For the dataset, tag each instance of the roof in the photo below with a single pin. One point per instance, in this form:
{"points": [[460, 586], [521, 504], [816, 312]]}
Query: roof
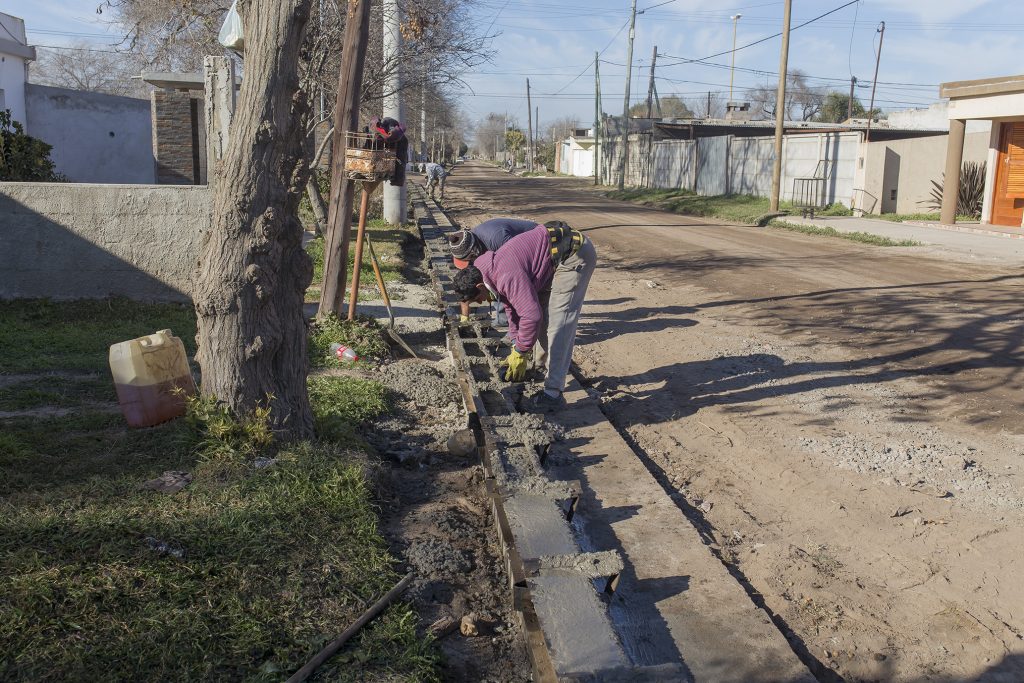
{"points": [[700, 128], [1001, 85]]}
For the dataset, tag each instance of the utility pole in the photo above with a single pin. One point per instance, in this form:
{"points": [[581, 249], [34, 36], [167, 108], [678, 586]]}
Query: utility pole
{"points": [[732, 69], [423, 115], [625, 98], [849, 105], [529, 128], [878, 60], [394, 197], [597, 119], [709, 105], [346, 118], [780, 108], [650, 84], [536, 130]]}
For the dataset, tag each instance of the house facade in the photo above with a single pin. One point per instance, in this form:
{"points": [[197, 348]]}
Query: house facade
{"points": [[1001, 102], [15, 55]]}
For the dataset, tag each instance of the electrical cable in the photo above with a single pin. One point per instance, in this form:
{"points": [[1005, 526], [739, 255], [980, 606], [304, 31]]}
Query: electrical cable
{"points": [[761, 40], [587, 68]]}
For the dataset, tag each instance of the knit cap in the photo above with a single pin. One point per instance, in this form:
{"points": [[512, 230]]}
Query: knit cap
{"points": [[464, 244]]}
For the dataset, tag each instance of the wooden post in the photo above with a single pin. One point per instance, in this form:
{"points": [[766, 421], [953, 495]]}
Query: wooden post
{"points": [[650, 83], [357, 264], [624, 162], [597, 121], [780, 110], [346, 118], [529, 129]]}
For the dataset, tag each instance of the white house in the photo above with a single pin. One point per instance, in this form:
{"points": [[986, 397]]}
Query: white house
{"points": [[576, 156], [15, 54]]}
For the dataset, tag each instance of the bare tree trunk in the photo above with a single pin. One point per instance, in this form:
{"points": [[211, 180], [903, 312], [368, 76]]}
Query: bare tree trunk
{"points": [[319, 206], [253, 270]]}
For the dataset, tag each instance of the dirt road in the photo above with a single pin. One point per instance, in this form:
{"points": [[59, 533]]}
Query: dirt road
{"points": [[842, 418]]}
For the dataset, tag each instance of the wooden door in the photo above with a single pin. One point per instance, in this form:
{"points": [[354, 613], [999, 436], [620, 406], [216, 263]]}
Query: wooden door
{"points": [[1008, 190]]}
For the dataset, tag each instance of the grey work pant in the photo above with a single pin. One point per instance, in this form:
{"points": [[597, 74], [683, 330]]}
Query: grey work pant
{"points": [[562, 306], [432, 185]]}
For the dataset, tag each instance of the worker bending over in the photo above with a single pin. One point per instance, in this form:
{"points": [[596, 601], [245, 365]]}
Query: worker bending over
{"points": [[467, 245], [435, 175], [541, 278]]}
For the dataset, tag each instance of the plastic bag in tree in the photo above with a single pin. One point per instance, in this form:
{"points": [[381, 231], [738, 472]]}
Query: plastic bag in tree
{"points": [[230, 35]]}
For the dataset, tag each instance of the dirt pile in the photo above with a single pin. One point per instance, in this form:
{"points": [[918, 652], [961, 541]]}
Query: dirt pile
{"points": [[422, 382]]}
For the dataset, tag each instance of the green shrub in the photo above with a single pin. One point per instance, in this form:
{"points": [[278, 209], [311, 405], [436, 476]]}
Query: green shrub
{"points": [[837, 209], [24, 158]]}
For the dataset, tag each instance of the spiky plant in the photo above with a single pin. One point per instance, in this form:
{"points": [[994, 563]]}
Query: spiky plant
{"points": [[970, 194]]}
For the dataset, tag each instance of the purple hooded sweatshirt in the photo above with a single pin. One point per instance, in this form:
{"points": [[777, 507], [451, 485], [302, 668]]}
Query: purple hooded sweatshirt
{"points": [[518, 272]]}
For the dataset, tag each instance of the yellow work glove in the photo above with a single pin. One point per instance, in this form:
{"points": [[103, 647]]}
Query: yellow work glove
{"points": [[517, 362], [463, 319]]}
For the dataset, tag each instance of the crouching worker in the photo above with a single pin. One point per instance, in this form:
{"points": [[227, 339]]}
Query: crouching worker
{"points": [[491, 235], [435, 176], [519, 275]]}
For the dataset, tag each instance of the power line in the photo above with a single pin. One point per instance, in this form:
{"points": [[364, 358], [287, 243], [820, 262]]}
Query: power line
{"points": [[587, 68], [760, 40], [79, 49]]}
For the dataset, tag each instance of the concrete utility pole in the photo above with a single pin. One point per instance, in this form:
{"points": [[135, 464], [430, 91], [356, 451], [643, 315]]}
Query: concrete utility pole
{"points": [[625, 98], [732, 69], [423, 117], [394, 197], [709, 106], [597, 120], [650, 83], [849, 104], [536, 130], [529, 128], [346, 118], [878, 60], [780, 107]]}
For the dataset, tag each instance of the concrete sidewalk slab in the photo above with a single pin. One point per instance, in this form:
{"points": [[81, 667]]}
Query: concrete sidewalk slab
{"points": [[675, 600], [949, 242]]}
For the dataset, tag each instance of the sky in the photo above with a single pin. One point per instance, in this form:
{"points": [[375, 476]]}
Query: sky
{"points": [[926, 42]]}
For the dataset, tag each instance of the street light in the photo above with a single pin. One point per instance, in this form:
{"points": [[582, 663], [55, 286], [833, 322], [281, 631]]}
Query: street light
{"points": [[735, 18]]}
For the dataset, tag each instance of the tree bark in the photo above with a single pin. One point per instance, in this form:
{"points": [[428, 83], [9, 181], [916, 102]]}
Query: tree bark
{"points": [[319, 207], [253, 271]]}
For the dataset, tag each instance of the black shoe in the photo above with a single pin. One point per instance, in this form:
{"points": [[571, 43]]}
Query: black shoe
{"points": [[541, 402]]}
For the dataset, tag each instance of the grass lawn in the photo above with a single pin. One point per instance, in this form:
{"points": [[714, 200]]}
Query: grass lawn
{"points": [[827, 231], [901, 217], [388, 241], [241, 576], [740, 208], [747, 209]]}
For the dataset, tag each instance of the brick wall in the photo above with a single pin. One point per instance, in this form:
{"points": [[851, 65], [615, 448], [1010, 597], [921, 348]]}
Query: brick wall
{"points": [[175, 138]]}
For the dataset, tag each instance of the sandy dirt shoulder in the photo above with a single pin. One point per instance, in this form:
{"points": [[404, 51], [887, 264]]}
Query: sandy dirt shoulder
{"points": [[842, 417]]}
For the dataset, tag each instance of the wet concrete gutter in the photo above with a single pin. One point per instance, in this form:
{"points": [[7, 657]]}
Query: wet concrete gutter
{"points": [[610, 580]]}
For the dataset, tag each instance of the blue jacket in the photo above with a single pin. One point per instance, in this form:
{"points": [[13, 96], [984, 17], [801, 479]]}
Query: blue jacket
{"points": [[495, 232]]}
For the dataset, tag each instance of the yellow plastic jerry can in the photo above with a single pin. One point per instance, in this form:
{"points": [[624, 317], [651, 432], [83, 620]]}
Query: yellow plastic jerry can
{"points": [[152, 378]]}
